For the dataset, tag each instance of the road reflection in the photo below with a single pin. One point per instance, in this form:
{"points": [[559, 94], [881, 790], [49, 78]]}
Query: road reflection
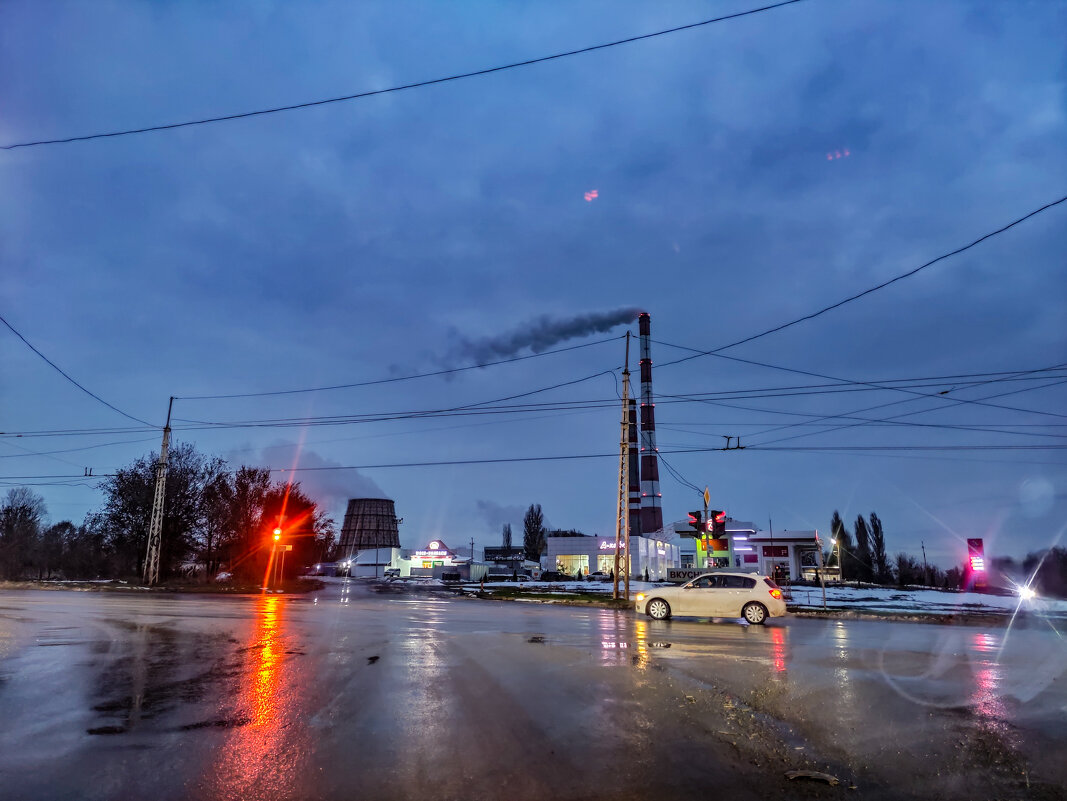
{"points": [[986, 698], [614, 632], [259, 759], [778, 651]]}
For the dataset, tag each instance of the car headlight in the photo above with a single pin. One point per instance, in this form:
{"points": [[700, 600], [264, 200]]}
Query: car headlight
{"points": [[640, 596]]}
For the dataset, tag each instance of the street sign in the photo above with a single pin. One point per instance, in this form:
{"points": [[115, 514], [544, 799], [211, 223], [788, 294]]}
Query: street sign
{"points": [[707, 496]]}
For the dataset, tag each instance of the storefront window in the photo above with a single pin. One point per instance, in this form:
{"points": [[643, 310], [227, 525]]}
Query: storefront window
{"points": [[571, 564], [606, 564]]}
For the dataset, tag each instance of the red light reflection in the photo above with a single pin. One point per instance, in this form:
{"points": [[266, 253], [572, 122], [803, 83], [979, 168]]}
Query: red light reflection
{"points": [[258, 760], [778, 644]]}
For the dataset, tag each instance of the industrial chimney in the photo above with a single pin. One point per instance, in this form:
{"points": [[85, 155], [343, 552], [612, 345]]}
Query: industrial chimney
{"points": [[635, 471], [651, 512]]}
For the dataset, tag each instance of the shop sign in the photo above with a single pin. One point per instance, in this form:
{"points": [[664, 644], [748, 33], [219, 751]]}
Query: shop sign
{"points": [[776, 551], [608, 545], [680, 574], [714, 545], [431, 554]]}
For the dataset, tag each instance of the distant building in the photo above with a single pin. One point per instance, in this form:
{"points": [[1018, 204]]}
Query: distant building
{"points": [[571, 555], [787, 555]]}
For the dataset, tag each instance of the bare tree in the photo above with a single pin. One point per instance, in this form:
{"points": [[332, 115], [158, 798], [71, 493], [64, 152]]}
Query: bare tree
{"points": [[21, 517], [533, 531], [882, 572], [864, 572], [507, 535]]}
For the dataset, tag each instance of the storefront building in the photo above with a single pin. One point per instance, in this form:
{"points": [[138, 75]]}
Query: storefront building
{"points": [[435, 555], [787, 556], [585, 555]]}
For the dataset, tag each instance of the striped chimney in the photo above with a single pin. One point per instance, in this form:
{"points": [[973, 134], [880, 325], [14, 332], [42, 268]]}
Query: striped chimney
{"points": [[651, 512], [635, 472]]}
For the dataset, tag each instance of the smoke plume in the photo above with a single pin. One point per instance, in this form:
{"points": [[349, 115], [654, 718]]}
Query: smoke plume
{"points": [[542, 333]]}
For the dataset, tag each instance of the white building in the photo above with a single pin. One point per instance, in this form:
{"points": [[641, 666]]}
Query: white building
{"points": [[597, 554]]}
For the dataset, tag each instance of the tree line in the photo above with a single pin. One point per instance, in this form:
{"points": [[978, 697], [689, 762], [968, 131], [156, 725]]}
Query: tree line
{"points": [[862, 556], [214, 519]]}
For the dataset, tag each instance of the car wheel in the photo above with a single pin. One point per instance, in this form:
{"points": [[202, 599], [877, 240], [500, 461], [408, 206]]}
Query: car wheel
{"points": [[754, 613], [658, 609]]}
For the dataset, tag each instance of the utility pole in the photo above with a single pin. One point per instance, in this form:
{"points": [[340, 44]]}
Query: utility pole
{"points": [[926, 574], [155, 524], [622, 516], [818, 556]]}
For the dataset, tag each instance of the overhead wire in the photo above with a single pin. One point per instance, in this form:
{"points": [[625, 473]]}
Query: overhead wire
{"points": [[63, 373], [917, 411], [396, 379], [868, 291], [403, 87]]}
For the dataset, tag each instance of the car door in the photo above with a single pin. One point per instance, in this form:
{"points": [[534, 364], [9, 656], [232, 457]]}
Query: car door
{"points": [[703, 597], [687, 600], [736, 593]]}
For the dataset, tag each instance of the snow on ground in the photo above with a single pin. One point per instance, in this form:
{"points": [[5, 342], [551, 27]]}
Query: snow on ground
{"points": [[872, 599], [921, 601]]}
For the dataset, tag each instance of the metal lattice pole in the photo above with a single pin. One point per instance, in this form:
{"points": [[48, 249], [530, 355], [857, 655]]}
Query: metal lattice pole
{"points": [[155, 525]]}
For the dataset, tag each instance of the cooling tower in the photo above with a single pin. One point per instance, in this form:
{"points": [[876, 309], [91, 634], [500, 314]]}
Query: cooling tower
{"points": [[651, 512], [369, 523]]}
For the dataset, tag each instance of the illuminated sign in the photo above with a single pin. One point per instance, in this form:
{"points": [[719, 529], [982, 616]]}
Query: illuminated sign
{"points": [[438, 554], [435, 546], [610, 546]]}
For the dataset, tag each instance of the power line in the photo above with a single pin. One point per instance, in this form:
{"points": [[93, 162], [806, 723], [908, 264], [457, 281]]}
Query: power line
{"points": [[858, 295], [29, 453], [882, 384], [449, 371], [59, 370], [416, 85], [573, 457], [917, 411]]}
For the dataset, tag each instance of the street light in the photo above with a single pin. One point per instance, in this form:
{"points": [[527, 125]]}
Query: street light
{"points": [[274, 551]]}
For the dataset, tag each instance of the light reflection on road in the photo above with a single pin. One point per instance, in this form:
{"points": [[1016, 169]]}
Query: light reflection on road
{"points": [[255, 762], [778, 650], [986, 699]]}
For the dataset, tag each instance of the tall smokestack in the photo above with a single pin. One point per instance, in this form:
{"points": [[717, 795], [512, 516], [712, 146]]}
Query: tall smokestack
{"points": [[651, 512], [635, 472]]}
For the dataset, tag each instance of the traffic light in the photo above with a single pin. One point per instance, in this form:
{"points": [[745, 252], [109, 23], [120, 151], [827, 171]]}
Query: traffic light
{"points": [[695, 520], [718, 523]]}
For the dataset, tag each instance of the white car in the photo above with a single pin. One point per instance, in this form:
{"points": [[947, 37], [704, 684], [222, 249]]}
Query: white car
{"points": [[746, 595]]}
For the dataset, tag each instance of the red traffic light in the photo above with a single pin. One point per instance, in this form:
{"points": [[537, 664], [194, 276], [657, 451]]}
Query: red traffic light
{"points": [[717, 522], [695, 519]]}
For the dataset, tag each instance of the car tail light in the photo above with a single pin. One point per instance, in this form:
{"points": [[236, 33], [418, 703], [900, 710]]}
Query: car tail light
{"points": [[776, 594]]}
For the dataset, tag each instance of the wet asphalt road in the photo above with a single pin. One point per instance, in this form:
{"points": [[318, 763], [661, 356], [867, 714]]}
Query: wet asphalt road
{"points": [[352, 693]]}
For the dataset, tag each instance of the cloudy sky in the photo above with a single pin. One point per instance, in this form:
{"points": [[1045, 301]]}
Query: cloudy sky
{"points": [[746, 174]]}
